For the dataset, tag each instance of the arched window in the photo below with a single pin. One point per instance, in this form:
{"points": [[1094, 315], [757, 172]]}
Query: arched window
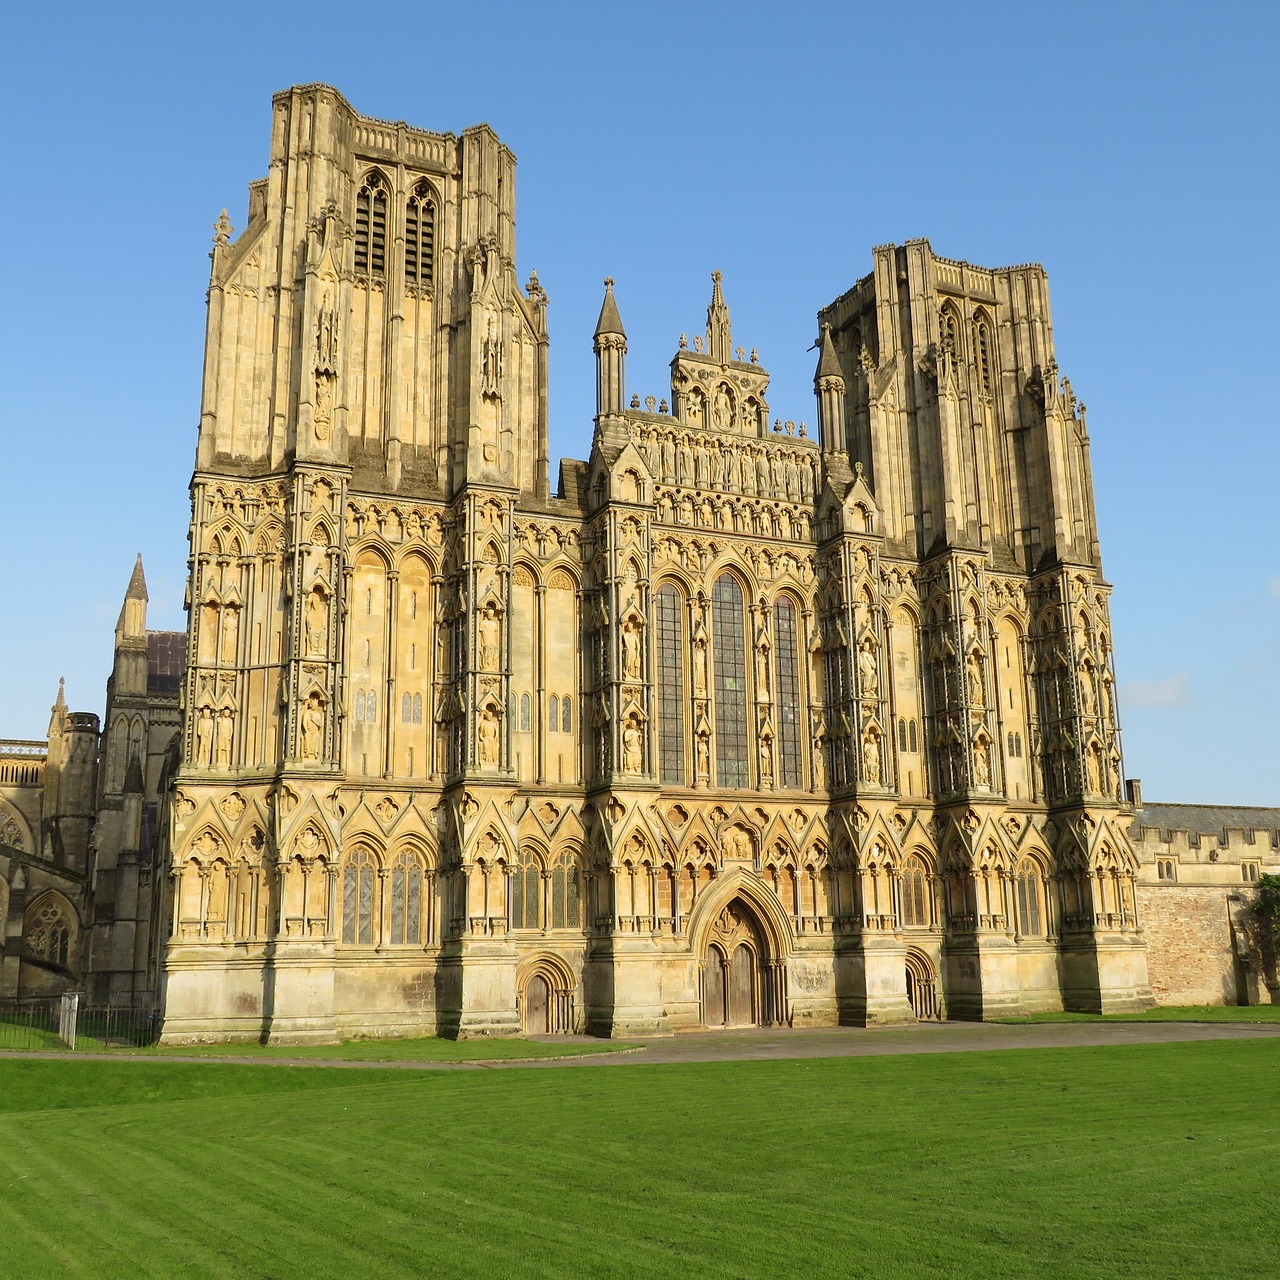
{"points": [[566, 893], [525, 712], [419, 236], [526, 893], [948, 330], [787, 678], [729, 641], [406, 899], [360, 706], [670, 643], [915, 894], [417, 708], [406, 709], [566, 714], [912, 740], [982, 352], [371, 226], [553, 714], [46, 931], [1028, 891], [359, 875], [902, 735], [372, 710]]}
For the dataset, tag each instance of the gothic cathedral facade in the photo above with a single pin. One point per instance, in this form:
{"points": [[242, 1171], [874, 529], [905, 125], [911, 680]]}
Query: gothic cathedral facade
{"points": [[740, 723]]}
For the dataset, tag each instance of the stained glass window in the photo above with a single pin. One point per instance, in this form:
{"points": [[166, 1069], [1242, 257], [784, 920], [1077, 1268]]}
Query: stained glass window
{"points": [[729, 638], [671, 751], [786, 662]]}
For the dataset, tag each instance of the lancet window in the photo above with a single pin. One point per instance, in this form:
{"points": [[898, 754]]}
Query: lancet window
{"points": [[787, 688], [915, 894], [526, 892], [566, 893], [371, 226], [982, 352], [728, 634], [419, 236], [670, 642], [406, 900], [359, 878], [1027, 884]]}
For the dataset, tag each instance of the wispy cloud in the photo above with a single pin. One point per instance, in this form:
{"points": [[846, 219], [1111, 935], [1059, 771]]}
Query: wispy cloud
{"points": [[1170, 694]]}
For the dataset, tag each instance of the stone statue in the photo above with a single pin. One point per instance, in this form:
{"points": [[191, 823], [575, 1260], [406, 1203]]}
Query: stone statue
{"points": [[311, 723], [487, 746], [871, 760], [490, 639], [766, 761], [981, 765], [868, 669], [819, 763], [632, 747], [975, 681], [631, 649], [703, 752], [222, 739], [1088, 695], [317, 622], [762, 473], [721, 410], [204, 737], [230, 635]]}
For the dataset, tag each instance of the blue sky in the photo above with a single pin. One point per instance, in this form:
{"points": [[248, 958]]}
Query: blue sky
{"points": [[1131, 148]]}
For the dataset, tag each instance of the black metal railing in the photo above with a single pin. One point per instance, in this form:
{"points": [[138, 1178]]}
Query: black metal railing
{"points": [[66, 1022]]}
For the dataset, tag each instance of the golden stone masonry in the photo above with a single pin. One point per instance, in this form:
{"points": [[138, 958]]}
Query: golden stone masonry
{"points": [[739, 722]]}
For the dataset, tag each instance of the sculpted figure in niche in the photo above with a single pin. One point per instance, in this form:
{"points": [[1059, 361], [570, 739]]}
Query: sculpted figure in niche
{"points": [[975, 680], [871, 759], [981, 765], [1088, 694], [868, 669], [669, 459], [762, 473], [311, 724], [703, 753], [820, 763], [317, 622], [686, 463], [748, 468], [721, 410], [791, 478], [490, 639], [222, 739], [632, 747], [487, 744], [230, 634], [700, 473], [631, 649], [204, 737], [766, 762]]}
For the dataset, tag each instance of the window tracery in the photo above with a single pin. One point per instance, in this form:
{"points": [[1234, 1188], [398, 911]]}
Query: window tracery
{"points": [[371, 226], [419, 236], [359, 874], [670, 692], [787, 691], [728, 633]]}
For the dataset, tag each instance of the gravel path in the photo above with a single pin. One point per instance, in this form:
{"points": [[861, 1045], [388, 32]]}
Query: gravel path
{"points": [[757, 1044]]}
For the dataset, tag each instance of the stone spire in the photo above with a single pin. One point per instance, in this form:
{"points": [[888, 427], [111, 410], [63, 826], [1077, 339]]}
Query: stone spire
{"points": [[828, 386], [719, 332], [132, 623], [610, 322], [611, 348]]}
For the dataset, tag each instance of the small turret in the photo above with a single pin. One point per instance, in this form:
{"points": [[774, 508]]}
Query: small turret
{"points": [[828, 386], [132, 623], [611, 349]]}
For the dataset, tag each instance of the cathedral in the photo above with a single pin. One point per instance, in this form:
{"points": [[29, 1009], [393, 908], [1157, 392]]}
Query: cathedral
{"points": [[738, 722]]}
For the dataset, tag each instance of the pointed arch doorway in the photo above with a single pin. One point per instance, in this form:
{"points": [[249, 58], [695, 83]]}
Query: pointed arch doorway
{"points": [[736, 971]]}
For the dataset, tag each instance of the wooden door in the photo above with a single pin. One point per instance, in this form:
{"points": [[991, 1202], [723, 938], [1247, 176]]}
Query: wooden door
{"points": [[537, 999], [742, 986], [714, 989]]}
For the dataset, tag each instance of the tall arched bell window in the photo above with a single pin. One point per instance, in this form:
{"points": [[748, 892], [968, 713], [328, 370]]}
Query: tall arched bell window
{"points": [[419, 236], [371, 226]]}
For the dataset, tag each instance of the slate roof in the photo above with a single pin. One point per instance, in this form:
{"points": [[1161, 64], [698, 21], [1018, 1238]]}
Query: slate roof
{"points": [[166, 660], [1210, 819]]}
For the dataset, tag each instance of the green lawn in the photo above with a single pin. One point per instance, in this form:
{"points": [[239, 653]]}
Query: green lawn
{"points": [[421, 1049], [1141, 1161], [1170, 1013]]}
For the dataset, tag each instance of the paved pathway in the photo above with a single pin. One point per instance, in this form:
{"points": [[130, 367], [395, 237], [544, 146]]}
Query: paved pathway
{"points": [[756, 1044]]}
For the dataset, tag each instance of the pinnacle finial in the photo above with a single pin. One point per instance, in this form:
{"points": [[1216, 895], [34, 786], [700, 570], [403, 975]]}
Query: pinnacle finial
{"points": [[610, 322]]}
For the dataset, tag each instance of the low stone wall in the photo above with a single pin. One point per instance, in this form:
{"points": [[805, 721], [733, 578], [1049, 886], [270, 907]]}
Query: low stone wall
{"points": [[1190, 948]]}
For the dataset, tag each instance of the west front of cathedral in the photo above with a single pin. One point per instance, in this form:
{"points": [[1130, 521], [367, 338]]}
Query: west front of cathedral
{"points": [[739, 722]]}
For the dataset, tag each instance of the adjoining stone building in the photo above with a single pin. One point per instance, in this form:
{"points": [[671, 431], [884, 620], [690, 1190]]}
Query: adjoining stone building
{"points": [[741, 723]]}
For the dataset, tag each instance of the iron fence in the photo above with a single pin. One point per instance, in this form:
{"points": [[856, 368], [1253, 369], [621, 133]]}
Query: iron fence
{"points": [[65, 1022]]}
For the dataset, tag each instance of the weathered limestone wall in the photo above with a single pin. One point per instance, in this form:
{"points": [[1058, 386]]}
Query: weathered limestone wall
{"points": [[1190, 953]]}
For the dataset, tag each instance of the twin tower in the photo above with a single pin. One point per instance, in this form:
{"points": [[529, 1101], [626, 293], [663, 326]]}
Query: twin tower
{"points": [[741, 724]]}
